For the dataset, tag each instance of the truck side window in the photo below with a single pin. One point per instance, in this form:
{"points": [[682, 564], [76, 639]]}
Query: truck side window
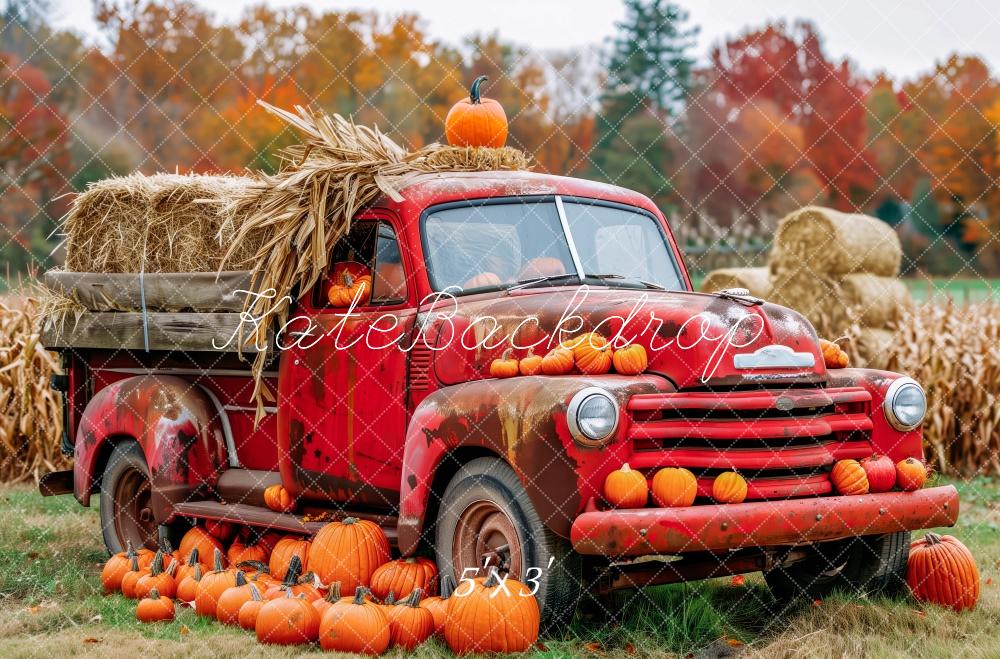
{"points": [[370, 249]]}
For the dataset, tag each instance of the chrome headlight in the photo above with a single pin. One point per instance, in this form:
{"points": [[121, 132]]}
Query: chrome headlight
{"points": [[592, 416], [905, 404]]}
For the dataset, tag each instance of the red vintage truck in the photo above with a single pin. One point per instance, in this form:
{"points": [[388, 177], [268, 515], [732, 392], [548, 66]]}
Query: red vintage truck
{"points": [[387, 410]]}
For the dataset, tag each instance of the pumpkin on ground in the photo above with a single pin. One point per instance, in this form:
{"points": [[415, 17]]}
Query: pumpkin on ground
{"points": [[729, 487], [438, 606], [220, 529], [592, 353], [132, 576], [243, 553], [247, 617], [881, 473], [409, 623], [626, 488], [277, 498], [558, 361], [115, 568], [674, 487], [530, 364], [630, 360], [348, 551], [288, 620], [227, 609], [187, 568], [403, 576], [354, 625], [911, 474], [212, 585], [155, 608], [942, 570], [159, 578], [187, 588], [849, 477], [333, 595], [200, 539], [476, 121], [281, 556], [295, 583], [489, 621], [833, 355]]}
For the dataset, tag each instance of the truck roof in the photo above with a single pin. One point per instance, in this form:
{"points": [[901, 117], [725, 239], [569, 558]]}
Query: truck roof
{"points": [[427, 189]]}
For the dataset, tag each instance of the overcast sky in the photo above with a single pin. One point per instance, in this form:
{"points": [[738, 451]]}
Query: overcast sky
{"points": [[903, 37]]}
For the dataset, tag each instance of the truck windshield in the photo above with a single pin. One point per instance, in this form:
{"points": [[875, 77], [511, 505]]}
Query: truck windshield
{"points": [[498, 245]]}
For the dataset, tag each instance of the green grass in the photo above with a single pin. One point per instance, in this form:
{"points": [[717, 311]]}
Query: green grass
{"points": [[960, 289], [51, 554]]}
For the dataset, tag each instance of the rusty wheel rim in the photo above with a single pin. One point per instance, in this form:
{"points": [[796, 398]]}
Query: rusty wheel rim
{"points": [[486, 536], [133, 510]]}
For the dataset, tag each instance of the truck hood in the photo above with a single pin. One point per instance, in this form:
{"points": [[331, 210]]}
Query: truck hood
{"points": [[693, 339]]}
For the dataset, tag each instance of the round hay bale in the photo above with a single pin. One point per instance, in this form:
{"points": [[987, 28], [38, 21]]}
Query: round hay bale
{"points": [[756, 280], [871, 347], [873, 301], [815, 296], [835, 243]]}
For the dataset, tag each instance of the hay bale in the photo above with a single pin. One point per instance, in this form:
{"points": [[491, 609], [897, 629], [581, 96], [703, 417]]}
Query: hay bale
{"points": [[835, 243], [872, 301], [159, 223], [871, 347], [815, 296], [756, 280]]}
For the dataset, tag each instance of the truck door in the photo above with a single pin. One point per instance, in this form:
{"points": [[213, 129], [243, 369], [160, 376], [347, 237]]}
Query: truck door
{"points": [[342, 389]]}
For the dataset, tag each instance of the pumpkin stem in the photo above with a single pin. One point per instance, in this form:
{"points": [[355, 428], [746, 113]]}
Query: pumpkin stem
{"points": [[414, 598], [218, 561], [241, 579], [154, 594], [129, 549], [172, 569], [359, 595], [157, 567], [625, 467], [167, 548], [350, 520], [390, 599], [334, 593], [447, 586], [294, 571], [475, 94], [193, 557], [254, 593], [257, 566], [491, 581], [134, 565], [932, 538], [197, 572]]}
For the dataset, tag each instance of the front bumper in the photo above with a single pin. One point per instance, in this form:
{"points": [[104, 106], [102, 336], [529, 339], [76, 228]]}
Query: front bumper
{"points": [[761, 523]]}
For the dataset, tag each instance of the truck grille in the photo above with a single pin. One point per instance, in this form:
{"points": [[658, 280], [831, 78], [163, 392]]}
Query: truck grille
{"points": [[783, 441]]}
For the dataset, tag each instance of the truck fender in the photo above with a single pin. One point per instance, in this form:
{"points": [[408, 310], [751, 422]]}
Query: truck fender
{"points": [[523, 421], [180, 431]]}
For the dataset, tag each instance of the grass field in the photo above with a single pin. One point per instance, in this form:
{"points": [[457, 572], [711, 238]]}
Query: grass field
{"points": [[51, 553]]}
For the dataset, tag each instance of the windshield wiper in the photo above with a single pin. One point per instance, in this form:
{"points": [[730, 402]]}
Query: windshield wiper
{"points": [[528, 283], [647, 284]]}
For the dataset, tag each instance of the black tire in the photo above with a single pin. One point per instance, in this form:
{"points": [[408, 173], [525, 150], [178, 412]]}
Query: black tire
{"points": [[123, 516], [492, 480], [870, 565]]}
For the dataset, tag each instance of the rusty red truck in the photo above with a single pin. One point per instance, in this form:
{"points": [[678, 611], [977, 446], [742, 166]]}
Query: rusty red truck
{"points": [[387, 410]]}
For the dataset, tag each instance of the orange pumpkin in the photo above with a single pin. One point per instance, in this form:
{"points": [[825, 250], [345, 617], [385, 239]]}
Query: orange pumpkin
{"points": [[187, 588], [155, 608], [729, 487], [348, 287], [592, 354], [349, 552], [559, 361], [504, 366], [409, 623], [630, 360], [674, 487], [332, 597], [911, 474], [289, 620], [200, 539], [438, 606], [404, 576], [942, 570], [240, 553], [849, 477], [542, 266], [187, 568], [283, 552], [131, 578], [833, 355], [482, 280], [476, 121], [115, 568], [212, 585], [626, 488], [247, 617], [355, 625], [227, 609], [277, 498], [159, 578], [530, 364], [295, 583], [491, 621]]}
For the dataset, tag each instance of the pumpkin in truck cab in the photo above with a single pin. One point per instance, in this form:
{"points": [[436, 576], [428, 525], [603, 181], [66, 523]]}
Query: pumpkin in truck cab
{"points": [[349, 281], [476, 121]]}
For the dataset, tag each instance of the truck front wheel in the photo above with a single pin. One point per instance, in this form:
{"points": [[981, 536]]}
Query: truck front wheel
{"points": [[486, 518], [126, 512], [874, 564]]}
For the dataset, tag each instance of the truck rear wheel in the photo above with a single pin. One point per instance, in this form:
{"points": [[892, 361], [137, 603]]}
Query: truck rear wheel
{"points": [[874, 564], [126, 490], [486, 517]]}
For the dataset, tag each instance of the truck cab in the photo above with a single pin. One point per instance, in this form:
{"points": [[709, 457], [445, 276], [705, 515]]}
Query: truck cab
{"points": [[384, 408]]}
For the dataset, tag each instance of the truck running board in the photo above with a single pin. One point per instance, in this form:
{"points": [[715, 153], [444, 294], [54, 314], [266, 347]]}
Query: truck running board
{"points": [[259, 516]]}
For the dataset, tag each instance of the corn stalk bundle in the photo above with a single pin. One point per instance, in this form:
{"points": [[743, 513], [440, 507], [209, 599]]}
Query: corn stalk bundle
{"points": [[30, 411], [307, 206], [954, 352]]}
